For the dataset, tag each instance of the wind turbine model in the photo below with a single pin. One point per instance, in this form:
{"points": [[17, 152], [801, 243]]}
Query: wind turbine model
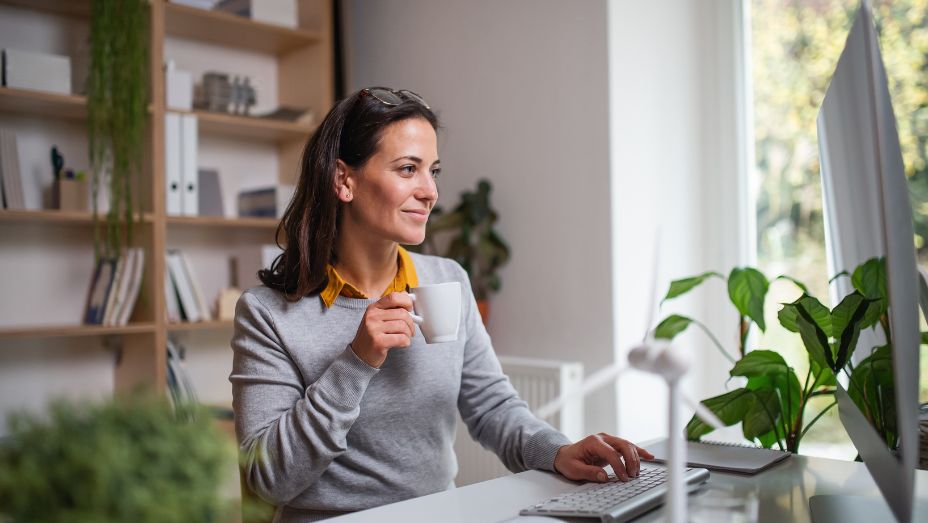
{"points": [[654, 356]]}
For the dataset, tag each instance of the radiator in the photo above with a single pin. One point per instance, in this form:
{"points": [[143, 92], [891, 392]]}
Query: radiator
{"points": [[537, 381]]}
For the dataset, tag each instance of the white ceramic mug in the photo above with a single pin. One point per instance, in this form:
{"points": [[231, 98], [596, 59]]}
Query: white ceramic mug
{"points": [[438, 311]]}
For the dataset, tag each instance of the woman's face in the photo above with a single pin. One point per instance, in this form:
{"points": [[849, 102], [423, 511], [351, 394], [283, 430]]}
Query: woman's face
{"points": [[392, 194]]}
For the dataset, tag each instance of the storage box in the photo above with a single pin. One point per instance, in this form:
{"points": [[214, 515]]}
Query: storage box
{"points": [[178, 88], [72, 195], [36, 71], [269, 202]]}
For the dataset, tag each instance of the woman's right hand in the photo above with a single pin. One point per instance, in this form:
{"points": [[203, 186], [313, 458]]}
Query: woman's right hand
{"points": [[386, 324]]}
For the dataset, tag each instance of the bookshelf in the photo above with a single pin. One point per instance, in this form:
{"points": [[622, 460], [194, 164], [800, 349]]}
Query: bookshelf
{"points": [[301, 75]]}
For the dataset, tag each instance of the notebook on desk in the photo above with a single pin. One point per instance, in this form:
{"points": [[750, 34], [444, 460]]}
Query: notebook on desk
{"points": [[723, 457]]}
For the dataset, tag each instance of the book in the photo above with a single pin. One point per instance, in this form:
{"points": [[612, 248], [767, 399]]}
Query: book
{"points": [[198, 295], [119, 285], [189, 182], [12, 177], [100, 287], [172, 164], [135, 284], [188, 304], [210, 193], [722, 457], [171, 300]]}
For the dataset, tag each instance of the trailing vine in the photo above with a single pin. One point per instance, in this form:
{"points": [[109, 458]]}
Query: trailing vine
{"points": [[117, 110]]}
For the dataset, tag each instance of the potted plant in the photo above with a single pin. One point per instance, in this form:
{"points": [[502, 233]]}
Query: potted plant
{"points": [[474, 242], [117, 113], [771, 404], [132, 459]]}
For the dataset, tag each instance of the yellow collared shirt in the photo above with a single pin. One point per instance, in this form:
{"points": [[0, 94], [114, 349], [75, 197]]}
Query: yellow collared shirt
{"points": [[405, 279]]}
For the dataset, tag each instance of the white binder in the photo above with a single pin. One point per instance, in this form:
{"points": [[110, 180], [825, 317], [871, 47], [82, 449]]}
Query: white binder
{"points": [[189, 177], [172, 164]]}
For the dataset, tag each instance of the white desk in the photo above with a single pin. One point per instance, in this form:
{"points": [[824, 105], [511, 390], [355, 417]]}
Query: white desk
{"points": [[784, 492]]}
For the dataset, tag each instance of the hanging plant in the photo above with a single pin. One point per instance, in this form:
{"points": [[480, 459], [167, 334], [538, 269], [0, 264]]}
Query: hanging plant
{"points": [[117, 110]]}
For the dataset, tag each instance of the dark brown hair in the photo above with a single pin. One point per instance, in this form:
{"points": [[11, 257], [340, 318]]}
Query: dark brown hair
{"points": [[351, 132]]}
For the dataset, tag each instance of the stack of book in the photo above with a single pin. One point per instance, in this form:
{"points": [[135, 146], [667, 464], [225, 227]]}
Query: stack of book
{"points": [[184, 297], [114, 288], [11, 182], [180, 386]]}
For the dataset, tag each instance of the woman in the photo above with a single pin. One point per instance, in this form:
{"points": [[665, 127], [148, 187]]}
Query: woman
{"points": [[339, 403]]}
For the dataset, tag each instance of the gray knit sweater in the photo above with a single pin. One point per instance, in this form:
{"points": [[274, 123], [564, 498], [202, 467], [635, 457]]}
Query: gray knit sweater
{"points": [[324, 433]]}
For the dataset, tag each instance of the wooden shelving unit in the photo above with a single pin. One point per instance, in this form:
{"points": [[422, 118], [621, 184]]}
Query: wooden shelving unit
{"points": [[199, 326], [55, 216], [59, 331], [223, 223], [38, 103], [305, 71], [229, 30]]}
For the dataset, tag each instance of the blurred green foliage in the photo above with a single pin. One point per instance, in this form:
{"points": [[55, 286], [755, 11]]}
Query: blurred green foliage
{"points": [[132, 459]]}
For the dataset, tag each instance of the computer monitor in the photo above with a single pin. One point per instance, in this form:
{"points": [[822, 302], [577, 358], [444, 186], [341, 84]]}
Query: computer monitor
{"points": [[868, 214]]}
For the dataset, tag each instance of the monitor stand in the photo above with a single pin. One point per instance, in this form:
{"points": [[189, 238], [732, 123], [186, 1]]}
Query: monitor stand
{"points": [[849, 509]]}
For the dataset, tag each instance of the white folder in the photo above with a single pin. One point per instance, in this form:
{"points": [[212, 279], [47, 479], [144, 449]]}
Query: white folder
{"points": [[189, 176], [172, 164]]}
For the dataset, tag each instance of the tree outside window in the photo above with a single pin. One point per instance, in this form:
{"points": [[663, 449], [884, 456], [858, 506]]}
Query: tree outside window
{"points": [[795, 45]]}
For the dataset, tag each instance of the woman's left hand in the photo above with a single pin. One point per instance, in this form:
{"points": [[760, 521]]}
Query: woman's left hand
{"points": [[585, 459]]}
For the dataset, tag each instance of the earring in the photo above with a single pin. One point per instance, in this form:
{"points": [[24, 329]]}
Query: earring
{"points": [[348, 196]]}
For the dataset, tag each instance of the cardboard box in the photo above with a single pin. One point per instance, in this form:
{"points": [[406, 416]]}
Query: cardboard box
{"points": [[36, 71], [72, 195]]}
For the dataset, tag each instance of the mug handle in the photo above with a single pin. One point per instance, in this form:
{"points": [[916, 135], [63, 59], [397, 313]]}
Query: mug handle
{"points": [[415, 318]]}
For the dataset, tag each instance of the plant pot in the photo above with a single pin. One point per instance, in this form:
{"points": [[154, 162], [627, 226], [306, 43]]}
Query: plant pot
{"points": [[483, 306]]}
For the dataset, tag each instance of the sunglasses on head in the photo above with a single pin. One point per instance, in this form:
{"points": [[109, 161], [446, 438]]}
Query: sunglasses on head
{"points": [[393, 97]]}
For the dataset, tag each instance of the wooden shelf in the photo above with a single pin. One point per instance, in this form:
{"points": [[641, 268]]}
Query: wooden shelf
{"points": [[53, 216], [76, 8], [249, 127], [217, 27], [217, 221], [200, 325], [57, 331], [39, 103]]}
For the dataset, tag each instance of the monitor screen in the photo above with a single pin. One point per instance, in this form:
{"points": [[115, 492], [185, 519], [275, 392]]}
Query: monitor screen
{"points": [[868, 216]]}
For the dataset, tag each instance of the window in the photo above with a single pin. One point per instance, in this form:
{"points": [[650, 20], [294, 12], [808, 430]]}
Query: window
{"points": [[795, 45]]}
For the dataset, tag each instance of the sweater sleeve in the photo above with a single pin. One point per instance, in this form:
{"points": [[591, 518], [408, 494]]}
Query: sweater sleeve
{"points": [[494, 414], [288, 432]]}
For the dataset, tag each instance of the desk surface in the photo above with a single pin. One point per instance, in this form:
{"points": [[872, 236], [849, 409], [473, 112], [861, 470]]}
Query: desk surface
{"points": [[784, 492]]}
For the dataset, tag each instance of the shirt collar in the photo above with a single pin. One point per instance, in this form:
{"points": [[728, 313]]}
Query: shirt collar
{"points": [[404, 280]]}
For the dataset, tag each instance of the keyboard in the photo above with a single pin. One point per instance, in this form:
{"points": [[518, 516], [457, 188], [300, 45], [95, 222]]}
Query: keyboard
{"points": [[615, 500]]}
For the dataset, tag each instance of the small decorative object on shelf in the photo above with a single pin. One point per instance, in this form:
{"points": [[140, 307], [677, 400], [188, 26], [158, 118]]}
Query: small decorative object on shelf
{"points": [[70, 189], [218, 94]]}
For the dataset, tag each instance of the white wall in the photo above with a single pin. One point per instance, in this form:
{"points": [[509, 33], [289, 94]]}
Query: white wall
{"points": [[676, 116], [521, 88]]}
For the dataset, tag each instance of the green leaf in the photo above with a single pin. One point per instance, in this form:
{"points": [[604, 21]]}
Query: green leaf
{"points": [[802, 286], [747, 289], [762, 413], [870, 278], [836, 276], [729, 407], [871, 388], [848, 318], [819, 313], [925, 338], [767, 370], [671, 326], [821, 376], [768, 440], [680, 287], [814, 338], [759, 363]]}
